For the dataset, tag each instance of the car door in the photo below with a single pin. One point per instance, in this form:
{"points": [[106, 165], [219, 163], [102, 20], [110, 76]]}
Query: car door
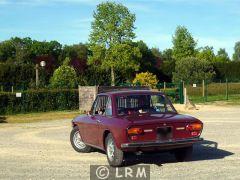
{"points": [[91, 125], [104, 120], [91, 131]]}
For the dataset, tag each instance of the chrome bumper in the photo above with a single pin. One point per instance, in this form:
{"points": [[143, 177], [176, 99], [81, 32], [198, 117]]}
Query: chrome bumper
{"points": [[161, 143]]}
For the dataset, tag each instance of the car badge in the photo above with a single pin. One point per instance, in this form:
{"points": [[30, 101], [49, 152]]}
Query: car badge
{"points": [[164, 124]]}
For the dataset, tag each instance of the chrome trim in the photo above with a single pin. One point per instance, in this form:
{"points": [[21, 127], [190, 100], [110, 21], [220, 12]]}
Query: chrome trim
{"points": [[161, 143]]}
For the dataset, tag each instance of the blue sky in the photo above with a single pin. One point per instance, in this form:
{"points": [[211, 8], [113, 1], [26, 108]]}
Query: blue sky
{"points": [[212, 22]]}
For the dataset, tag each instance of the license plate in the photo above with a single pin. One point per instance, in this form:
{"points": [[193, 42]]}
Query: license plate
{"points": [[164, 133]]}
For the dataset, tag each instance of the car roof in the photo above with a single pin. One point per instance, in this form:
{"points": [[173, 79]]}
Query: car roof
{"points": [[127, 92]]}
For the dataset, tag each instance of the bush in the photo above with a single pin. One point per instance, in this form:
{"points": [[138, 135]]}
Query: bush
{"points": [[38, 101], [64, 77], [146, 79], [16, 75], [193, 70]]}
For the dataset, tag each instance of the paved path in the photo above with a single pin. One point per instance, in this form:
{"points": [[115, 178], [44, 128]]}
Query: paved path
{"points": [[43, 151]]}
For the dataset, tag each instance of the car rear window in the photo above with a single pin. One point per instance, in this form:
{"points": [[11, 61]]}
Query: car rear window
{"points": [[153, 104]]}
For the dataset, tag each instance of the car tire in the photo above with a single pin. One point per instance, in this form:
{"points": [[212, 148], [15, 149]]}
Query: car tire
{"points": [[77, 143], [184, 154], [114, 155]]}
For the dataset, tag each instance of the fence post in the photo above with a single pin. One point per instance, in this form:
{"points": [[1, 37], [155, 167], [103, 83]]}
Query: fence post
{"points": [[226, 88], [206, 91], [203, 88], [164, 85], [181, 96]]}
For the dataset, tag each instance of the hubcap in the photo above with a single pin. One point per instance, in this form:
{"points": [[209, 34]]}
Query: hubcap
{"points": [[110, 150], [77, 140]]}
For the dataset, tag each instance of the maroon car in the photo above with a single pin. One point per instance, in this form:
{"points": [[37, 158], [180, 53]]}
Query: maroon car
{"points": [[135, 121]]}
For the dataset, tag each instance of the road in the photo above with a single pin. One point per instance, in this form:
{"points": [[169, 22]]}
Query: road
{"points": [[43, 151]]}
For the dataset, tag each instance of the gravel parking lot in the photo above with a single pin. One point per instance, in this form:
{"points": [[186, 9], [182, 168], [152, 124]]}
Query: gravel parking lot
{"points": [[43, 151]]}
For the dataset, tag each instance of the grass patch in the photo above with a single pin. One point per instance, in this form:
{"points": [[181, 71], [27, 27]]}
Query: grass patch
{"points": [[40, 116], [232, 99]]}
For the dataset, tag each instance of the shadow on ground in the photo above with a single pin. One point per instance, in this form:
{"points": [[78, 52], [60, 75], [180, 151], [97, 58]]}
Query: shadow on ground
{"points": [[205, 150], [3, 119]]}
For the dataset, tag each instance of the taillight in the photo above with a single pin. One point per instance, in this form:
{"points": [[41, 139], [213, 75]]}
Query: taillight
{"points": [[194, 127], [135, 131]]}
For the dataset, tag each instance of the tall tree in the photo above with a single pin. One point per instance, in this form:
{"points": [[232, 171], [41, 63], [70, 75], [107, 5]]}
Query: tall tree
{"points": [[206, 53], [112, 27], [222, 55], [236, 55], [183, 43]]}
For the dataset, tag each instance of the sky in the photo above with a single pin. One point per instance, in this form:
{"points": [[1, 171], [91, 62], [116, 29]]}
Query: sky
{"points": [[211, 22]]}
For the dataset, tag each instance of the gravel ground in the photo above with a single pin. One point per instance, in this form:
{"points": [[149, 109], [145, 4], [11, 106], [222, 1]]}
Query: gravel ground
{"points": [[43, 151]]}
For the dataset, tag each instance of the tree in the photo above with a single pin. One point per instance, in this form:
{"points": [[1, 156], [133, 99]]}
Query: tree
{"points": [[222, 56], [206, 53], [183, 44], [64, 77], [236, 54], [167, 55], [112, 29], [193, 70], [122, 57], [148, 61], [78, 54], [146, 79]]}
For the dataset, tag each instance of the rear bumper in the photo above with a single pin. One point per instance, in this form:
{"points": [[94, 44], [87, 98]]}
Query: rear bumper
{"points": [[164, 144]]}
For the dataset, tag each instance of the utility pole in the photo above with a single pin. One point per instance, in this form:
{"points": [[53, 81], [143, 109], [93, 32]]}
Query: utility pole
{"points": [[37, 75]]}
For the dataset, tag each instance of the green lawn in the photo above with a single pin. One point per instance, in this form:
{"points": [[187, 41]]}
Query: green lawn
{"points": [[36, 117], [232, 99]]}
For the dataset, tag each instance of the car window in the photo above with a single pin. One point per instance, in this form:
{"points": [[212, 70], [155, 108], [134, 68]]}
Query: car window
{"points": [[108, 111], [100, 105], [153, 104]]}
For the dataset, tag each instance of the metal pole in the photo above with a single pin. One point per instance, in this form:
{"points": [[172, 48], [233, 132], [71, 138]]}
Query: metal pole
{"points": [[226, 88], [206, 93], [203, 88], [37, 75]]}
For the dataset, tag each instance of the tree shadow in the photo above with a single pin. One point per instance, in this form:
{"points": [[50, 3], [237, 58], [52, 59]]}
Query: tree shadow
{"points": [[3, 119], [205, 150]]}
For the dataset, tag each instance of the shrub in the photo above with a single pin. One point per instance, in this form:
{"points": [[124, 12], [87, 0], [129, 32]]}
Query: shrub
{"points": [[146, 79], [64, 77], [38, 101]]}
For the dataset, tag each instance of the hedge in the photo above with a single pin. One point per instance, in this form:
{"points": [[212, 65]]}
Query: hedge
{"points": [[38, 101]]}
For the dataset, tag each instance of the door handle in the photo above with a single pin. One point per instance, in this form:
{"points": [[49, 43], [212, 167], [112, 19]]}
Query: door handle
{"points": [[98, 121]]}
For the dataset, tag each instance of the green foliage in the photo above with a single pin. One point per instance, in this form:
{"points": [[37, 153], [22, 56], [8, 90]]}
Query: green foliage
{"points": [[183, 44], [38, 101], [167, 55], [113, 23], [236, 55], [112, 30], [222, 56], [206, 53], [227, 70], [64, 77], [146, 79], [148, 60], [119, 57], [193, 70], [17, 75]]}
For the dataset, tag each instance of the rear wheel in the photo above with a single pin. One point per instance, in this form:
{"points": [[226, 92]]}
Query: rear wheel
{"points": [[114, 155], [77, 143], [184, 154]]}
